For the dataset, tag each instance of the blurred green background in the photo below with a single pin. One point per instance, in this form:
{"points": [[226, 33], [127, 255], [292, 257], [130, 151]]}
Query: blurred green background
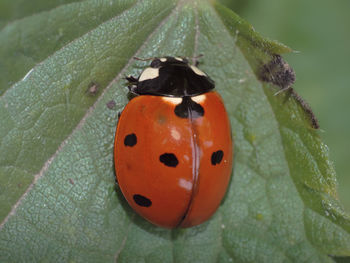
{"points": [[320, 31]]}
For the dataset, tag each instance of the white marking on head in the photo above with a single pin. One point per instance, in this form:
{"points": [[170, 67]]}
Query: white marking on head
{"points": [[185, 184], [199, 98], [172, 100], [163, 59], [149, 73], [179, 59], [197, 71], [175, 134]]}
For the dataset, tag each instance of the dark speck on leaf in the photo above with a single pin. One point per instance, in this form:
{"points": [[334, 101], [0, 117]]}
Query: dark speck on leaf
{"points": [[111, 104], [93, 89]]}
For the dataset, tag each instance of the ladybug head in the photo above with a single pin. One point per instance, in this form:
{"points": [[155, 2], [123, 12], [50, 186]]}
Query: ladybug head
{"points": [[171, 77], [161, 62]]}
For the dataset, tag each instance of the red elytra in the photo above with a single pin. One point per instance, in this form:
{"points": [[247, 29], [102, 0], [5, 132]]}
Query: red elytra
{"points": [[173, 147]]}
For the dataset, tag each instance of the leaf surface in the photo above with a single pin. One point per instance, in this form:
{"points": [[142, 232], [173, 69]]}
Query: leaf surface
{"points": [[57, 190]]}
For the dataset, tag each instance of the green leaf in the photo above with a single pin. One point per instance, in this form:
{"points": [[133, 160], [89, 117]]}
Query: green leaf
{"points": [[57, 190], [11, 10], [27, 42]]}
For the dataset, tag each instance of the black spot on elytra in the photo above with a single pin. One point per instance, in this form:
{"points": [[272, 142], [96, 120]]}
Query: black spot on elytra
{"points": [[189, 108], [169, 159], [142, 201], [130, 140], [216, 157]]}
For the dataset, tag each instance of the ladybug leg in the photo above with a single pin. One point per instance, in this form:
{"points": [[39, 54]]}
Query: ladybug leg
{"points": [[195, 59], [119, 114], [132, 84], [143, 59], [116, 184], [131, 79], [132, 93], [132, 90]]}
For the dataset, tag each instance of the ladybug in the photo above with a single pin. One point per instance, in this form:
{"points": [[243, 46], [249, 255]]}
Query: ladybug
{"points": [[173, 148]]}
